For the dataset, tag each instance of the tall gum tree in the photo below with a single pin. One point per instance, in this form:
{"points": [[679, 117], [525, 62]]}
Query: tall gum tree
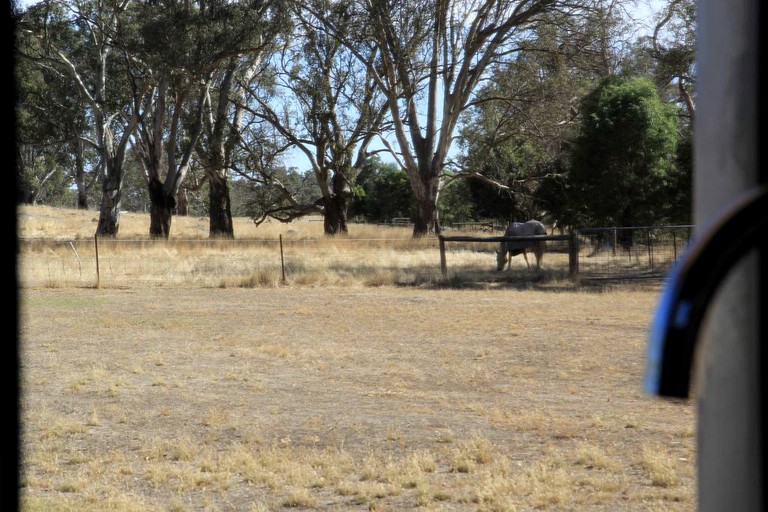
{"points": [[672, 46], [161, 116], [246, 34], [214, 149], [169, 94], [518, 133], [192, 54], [92, 67], [52, 124], [344, 111], [164, 53], [324, 103], [433, 54]]}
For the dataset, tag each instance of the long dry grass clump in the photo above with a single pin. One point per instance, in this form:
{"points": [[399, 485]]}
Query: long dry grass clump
{"points": [[343, 398], [58, 249]]}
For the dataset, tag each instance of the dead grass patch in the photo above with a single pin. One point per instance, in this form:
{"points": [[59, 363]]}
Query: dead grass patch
{"points": [[340, 391], [302, 398]]}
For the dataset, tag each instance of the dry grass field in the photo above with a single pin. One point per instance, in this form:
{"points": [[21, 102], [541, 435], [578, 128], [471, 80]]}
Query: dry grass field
{"points": [[335, 395]]}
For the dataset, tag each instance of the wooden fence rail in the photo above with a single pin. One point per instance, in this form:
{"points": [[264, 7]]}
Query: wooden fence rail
{"points": [[572, 239]]}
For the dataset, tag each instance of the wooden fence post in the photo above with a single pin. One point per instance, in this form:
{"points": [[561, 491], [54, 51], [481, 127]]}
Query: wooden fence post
{"points": [[282, 258], [443, 264], [674, 245], [98, 274], [573, 256], [650, 247]]}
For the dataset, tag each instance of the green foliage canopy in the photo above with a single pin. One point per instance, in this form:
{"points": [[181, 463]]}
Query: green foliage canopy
{"points": [[384, 192], [623, 155]]}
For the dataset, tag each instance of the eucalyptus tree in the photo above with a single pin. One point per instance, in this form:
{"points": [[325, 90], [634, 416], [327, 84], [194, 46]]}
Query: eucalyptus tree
{"points": [[241, 37], [166, 85], [189, 56], [520, 122], [51, 155], [95, 70], [672, 46], [518, 133], [324, 103], [432, 56]]}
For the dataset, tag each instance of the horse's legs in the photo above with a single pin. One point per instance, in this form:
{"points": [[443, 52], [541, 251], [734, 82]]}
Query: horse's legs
{"points": [[525, 255]]}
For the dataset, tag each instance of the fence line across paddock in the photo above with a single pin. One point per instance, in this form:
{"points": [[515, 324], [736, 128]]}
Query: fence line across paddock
{"points": [[638, 251], [218, 262], [572, 239], [588, 254], [600, 253]]}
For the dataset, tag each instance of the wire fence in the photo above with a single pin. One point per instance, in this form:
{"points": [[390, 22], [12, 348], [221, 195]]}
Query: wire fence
{"points": [[617, 253], [631, 252], [129, 263]]}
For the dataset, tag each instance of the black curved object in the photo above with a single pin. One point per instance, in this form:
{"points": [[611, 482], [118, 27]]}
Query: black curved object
{"points": [[691, 284]]}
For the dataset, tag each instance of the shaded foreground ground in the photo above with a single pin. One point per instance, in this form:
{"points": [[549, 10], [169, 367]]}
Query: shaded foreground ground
{"points": [[346, 399]]}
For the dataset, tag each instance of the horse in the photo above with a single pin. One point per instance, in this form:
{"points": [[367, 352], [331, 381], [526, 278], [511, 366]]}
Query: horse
{"points": [[508, 249]]}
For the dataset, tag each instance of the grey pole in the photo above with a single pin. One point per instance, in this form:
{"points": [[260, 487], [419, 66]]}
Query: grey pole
{"points": [[726, 148]]}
